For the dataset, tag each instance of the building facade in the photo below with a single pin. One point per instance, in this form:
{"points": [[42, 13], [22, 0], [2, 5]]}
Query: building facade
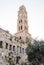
{"points": [[15, 44]]}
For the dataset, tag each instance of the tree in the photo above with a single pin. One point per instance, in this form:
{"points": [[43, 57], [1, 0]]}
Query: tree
{"points": [[35, 52]]}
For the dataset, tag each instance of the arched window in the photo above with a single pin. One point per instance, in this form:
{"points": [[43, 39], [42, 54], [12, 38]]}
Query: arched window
{"points": [[21, 27], [1, 46], [20, 49], [21, 21], [20, 37]]}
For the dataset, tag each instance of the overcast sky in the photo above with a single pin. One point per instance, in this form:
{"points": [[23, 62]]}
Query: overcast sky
{"points": [[35, 8]]}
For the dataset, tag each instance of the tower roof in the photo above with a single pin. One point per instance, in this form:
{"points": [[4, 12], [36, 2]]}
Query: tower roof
{"points": [[22, 7]]}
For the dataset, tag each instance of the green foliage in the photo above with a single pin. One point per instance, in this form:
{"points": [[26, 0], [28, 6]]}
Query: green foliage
{"points": [[35, 62], [23, 63], [35, 50]]}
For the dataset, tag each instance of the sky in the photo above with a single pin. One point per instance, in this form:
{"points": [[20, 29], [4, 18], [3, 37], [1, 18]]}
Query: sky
{"points": [[9, 15]]}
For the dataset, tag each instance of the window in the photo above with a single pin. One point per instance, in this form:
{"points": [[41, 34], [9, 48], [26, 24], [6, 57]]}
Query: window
{"points": [[20, 49], [21, 21], [17, 49], [1, 44], [17, 59], [10, 38], [10, 48], [20, 37], [13, 48], [9, 54], [21, 27], [23, 50], [6, 45]]}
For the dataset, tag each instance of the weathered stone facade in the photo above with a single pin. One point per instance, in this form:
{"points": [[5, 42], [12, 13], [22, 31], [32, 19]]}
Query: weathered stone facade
{"points": [[15, 43], [9, 43]]}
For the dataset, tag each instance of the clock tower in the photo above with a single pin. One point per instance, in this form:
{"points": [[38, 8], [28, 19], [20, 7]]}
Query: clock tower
{"points": [[22, 24]]}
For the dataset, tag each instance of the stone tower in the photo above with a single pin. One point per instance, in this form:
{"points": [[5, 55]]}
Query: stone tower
{"points": [[22, 20], [22, 24]]}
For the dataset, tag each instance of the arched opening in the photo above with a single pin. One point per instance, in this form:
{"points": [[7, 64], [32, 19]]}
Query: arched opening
{"points": [[21, 27], [21, 21], [20, 37]]}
